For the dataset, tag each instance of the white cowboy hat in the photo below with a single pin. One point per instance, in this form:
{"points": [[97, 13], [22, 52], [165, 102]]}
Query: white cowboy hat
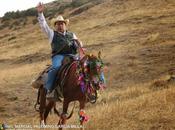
{"points": [[59, 18]]}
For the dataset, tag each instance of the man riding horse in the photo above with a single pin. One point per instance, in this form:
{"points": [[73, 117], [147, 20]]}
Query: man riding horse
{"points": [[81, 78], [62, 42]]}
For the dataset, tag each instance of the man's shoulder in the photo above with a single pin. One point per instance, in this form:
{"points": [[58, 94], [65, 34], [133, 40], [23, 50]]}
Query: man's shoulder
{"points": [[69, 32], [72, 34]]}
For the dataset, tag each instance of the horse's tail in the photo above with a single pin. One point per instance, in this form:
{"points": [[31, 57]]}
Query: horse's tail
{"points": [[56, 111], [71, 112], [37, 101], [59, 114]]}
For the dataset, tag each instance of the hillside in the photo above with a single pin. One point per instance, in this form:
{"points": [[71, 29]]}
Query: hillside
{"points": [[137, 43]]}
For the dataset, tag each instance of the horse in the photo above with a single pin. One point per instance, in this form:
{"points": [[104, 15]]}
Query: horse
{"points": [[78, 86]]}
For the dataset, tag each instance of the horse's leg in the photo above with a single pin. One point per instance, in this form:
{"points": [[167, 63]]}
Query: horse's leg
{"points": [[42, 105], [48, 109], [81, 113], [63, 117]]}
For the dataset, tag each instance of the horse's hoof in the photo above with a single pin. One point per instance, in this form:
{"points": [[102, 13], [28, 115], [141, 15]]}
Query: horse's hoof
{"points": [[42, 124]]}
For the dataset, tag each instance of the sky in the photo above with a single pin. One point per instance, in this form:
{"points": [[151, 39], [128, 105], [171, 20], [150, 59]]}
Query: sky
{"points": [[14, 5]]}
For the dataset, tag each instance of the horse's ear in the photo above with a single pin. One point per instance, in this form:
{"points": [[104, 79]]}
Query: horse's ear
{"points": [[99, 54]]}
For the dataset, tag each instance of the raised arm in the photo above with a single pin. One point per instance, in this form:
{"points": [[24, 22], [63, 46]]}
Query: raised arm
{"points": [[43, 24]]}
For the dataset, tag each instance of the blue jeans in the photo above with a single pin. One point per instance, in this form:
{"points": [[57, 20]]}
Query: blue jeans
{"points": [[56, 64]]}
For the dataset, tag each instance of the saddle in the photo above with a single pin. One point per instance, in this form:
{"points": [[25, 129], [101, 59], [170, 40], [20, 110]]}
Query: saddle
{"points": [[42, 77], [39, 80]]}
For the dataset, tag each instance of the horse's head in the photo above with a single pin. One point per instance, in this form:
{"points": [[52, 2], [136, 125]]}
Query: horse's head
{"points": [[93, 67]]}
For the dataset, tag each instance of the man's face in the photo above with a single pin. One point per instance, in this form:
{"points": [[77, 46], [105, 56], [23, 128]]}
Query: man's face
{"points": [[60, 26]]}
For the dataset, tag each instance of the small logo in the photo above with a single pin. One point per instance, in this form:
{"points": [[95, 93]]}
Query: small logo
{"points": [[3, 126]]}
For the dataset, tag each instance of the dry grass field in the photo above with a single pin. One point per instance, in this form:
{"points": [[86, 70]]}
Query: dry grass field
{"points": [[137, 40]]}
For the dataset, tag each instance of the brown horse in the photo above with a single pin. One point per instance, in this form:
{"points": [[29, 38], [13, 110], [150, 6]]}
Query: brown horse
{"points": [[90, 66]]}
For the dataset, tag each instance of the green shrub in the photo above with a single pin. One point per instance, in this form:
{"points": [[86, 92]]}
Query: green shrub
{"points": [[30, 12], [58, 8], [19, 14]]}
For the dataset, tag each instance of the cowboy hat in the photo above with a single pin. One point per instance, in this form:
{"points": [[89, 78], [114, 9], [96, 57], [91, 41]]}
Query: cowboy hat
{"points": [[59, 18]]}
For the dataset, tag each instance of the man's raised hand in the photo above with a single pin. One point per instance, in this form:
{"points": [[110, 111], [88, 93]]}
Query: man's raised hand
{"points": [[40, 7]]}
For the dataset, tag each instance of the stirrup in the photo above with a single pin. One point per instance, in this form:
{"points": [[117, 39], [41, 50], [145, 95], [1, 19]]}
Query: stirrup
{"points": [[53, 96], [50, 95]]}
